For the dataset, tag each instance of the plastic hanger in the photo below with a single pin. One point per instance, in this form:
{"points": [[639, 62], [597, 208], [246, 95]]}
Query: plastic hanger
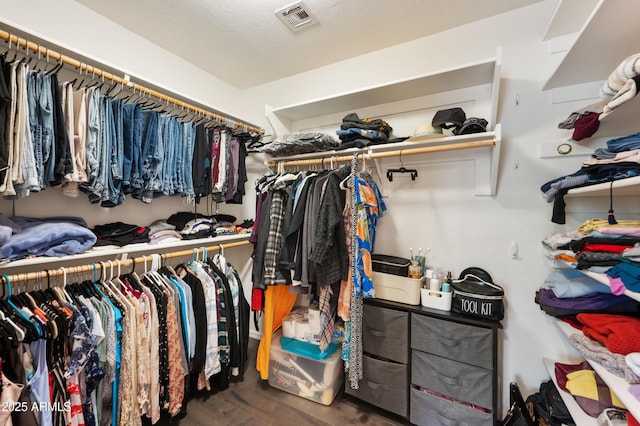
{"points": [[26, 320], [402, 169]]}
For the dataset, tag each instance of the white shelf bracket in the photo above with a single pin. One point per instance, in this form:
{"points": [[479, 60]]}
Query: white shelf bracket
{"points": [[486, 168]]}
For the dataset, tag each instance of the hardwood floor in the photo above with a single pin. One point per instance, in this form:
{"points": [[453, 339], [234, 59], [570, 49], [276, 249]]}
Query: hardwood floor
{"points": [[253, 402]]}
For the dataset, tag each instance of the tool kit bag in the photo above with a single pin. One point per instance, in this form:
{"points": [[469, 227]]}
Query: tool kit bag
{"points": [[390, 264], [475, 295]]}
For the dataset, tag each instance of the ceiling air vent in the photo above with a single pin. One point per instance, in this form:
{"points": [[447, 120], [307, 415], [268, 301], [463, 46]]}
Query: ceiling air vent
{"points": [[296, 16]]}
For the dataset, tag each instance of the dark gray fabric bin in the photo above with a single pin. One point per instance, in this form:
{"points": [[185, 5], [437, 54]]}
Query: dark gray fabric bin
{"points": [[385, 385], [385, 333], [431, 410], [462, 342], [454, 379]]}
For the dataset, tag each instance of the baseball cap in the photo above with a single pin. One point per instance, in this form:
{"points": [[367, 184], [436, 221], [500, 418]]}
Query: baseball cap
{"points": [[448, 118], [472, 125], [427, 131]]}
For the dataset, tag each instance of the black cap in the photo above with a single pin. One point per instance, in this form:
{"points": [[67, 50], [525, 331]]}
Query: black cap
{"points": [[448, 118], [472, 125]]}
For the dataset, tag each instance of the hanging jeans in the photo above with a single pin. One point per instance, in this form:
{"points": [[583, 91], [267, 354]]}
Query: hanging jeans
{"points": [[176, 152], [185, 167], [113, 195], [151, 156], [80, 117], [62, 165], [131, 134], [40, 101], [93, 130], [169, 139], [105, 128], [24, 170]]}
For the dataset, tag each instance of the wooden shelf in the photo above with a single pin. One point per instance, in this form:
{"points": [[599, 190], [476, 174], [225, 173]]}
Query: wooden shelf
{"points": [[577, 413], [617, 384], [485, 157]]}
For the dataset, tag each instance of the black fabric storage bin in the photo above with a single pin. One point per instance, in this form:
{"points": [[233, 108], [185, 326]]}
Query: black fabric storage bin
{"points": [[390, 264]]}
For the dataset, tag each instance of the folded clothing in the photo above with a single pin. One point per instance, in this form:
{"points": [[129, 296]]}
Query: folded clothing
{"points": [[591, 303], [591, 392], [353, 121], [179, 220], [120, 234], [48, 237], [164, 236], [300, 143], [628, 273], [619, 333], [595, 351], [568, 282], [159, 226]]}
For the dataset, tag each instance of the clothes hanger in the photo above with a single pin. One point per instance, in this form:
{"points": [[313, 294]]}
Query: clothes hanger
{"points": [[10, 41], [15, 52], [20, 331], [86, 74], [402, 169], [56, 67], [16, 313]]}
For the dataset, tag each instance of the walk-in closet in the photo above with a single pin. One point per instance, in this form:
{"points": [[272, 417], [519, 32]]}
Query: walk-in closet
{"points": [[318, 212]]}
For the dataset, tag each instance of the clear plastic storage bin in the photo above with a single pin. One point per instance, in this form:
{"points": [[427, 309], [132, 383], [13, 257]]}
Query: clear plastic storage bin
{"points": [[318, 380]]}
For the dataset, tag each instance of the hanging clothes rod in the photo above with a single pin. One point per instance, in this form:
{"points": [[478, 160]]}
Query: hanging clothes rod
{"points": [[63, 271], [47, 53], [386, 154]]}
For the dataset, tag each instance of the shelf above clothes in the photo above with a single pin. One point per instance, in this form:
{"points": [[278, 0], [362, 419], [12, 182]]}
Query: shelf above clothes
{"points": [[124, 253], [469, 75], [581, 64], [475, 84], [481, 148], [621, 187]]}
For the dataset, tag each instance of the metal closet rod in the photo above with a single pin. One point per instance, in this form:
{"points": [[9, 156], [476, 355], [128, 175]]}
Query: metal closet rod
{"points": [[83, 67], [63, 271], [374, 155]]}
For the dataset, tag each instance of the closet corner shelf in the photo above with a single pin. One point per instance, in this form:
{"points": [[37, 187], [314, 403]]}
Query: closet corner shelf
{"points": [[45, 262], [581, 64], [617, 384], [469, 75], [466, 147], [569, 17], [577, 413], [621, 187]]}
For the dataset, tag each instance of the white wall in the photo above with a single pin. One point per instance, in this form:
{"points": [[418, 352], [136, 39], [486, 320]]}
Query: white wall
{"points": [[439, 210]]}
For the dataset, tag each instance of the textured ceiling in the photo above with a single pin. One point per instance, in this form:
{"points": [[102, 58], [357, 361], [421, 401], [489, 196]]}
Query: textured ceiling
{"points": [[243, 43]]}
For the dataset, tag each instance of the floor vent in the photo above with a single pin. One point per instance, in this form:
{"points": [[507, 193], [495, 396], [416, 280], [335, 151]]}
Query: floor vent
{"points": [[296, 16]]}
